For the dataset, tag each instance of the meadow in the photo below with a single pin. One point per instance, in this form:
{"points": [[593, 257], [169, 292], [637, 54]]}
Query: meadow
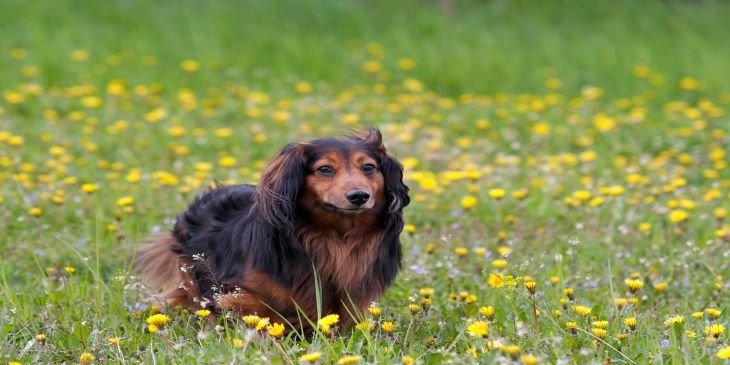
{"points": [[568, 166]]}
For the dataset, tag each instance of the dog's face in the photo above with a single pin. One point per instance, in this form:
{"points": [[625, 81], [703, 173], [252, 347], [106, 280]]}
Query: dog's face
{"points": [[332, 177], [343, 178]]}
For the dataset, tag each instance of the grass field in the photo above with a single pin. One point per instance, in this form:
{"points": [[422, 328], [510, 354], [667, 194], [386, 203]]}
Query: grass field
{"points": [[567, 161]]}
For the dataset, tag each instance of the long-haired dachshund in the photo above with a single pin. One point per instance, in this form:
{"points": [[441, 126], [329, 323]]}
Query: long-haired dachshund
{"points": [[328, 211]]}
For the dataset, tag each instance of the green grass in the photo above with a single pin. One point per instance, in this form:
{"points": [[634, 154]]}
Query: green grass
{"points": [[474, 115]]}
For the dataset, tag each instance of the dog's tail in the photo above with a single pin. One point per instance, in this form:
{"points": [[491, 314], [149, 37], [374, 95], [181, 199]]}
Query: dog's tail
{"points": [[159, 266]]}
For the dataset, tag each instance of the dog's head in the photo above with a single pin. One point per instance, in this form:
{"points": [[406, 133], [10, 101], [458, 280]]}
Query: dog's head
{"points": [[333, 176]]}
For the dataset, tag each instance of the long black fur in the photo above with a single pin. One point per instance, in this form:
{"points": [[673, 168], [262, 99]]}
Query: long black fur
{"points": [[233, 228]]}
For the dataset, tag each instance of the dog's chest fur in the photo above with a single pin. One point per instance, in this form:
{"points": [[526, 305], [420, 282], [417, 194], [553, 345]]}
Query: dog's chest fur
{"points": [[344, 261]]}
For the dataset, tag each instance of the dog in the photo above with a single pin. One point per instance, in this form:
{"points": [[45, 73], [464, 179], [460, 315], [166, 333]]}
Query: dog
{"points": [[319, 234]]}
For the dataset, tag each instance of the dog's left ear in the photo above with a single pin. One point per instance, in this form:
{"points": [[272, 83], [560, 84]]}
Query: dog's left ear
{"points": [[278, 189], [395, 190]]}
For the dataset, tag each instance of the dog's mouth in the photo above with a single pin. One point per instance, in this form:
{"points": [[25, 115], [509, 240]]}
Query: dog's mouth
{"points": [[335, 209]]}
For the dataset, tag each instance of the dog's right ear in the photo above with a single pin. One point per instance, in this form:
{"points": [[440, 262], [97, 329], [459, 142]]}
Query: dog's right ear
{"points": [[278, 189]]}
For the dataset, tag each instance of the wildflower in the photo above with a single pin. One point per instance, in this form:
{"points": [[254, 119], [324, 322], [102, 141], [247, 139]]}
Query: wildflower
{"points": [[114, 341], [263, 324], [678, 216], [582, 310], [349, 360], [531, 286], [426, 303], [190, 66], [564, 303], [599, 332], [157, 321], [634, 285], [88, 188], [414, 308], [407, 360], [572, 327], [41, 338], [410, 228], [715, 330], [497, 194], [478, 328], [35, 211], [202, 313], [569, 293], [426, 292], [86, 358], [528, 360], [661, 286], [374, 311], [69, 269], [557, 313], [310, 358], [723, 353], [237, 343], [251, 320], [487, 312], [499, 264], [631, 323], [554, 280], [468, 202], [365, 326], [674, 320], [713, 313], [512, 350], [125, 201], [600, 324], [276, 330], [388, 327], [461, 251]]}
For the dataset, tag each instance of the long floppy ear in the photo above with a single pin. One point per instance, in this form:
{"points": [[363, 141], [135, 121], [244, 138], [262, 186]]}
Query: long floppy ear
{"points": [[278, 189], [396, 191]]}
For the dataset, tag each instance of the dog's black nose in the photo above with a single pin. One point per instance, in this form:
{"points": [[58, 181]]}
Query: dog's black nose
{"points": [[358, 197]]}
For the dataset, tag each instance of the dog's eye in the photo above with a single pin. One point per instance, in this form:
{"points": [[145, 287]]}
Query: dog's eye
{"points": [[368, 168], [326, 170]]}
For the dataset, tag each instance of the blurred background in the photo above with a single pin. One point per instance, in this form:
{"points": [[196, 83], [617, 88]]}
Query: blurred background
{"points": [[460, 46]]}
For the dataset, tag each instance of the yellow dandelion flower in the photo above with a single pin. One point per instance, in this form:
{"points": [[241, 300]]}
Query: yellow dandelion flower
{"points": [[407, 360], [499, 264], [497, 194], [89, 188], [276, 330], [723, 353], [674, 320], [426, 292], [251, 320], [461, 251], [678, 216], [631, 323], [410, 228], [125, 201], [599, 332], [311, 357], [86, 358], [190, 66], [528, 360], [478, 328], [35, 211], [713, 313], [388, 327], [661, 286], [202, 313], [634, 285], [69, 269], [600, 324], [715, 330], [487, 312], [41, 337], [531, 286], [349, 360], [263, 324], [582, 310], [414, 308], [114, 341], [157, 320], [468, 201], [374, 311]]}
